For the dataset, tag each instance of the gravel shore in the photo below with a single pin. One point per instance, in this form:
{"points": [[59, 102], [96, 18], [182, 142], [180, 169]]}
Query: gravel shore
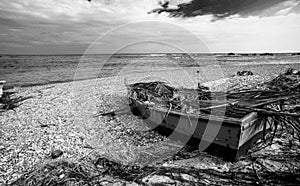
{"points": [[60, 117]]}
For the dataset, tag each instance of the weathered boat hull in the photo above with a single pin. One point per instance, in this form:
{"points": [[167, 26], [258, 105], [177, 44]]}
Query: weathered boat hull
{"points": [[227, 137]]}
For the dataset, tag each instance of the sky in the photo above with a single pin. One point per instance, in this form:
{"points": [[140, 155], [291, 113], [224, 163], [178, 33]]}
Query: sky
{"points": [[143, 26]]}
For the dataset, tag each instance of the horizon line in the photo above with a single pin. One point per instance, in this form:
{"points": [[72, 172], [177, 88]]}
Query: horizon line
{"points": [[141, 53]]}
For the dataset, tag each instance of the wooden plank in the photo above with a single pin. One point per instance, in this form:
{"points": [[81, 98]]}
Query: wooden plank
{"points": [[252, 126], [203, 116], [219, 132]]}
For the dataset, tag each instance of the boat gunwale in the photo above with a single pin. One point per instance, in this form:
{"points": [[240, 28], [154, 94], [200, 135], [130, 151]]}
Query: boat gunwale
{"points": [[235, 121]]}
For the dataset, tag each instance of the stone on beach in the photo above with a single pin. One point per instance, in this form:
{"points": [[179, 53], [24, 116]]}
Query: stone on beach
{"points": [[56, 154]]}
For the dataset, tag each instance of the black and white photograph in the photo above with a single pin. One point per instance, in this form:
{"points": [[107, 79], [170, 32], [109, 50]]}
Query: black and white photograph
{"points": [[149, 92]]}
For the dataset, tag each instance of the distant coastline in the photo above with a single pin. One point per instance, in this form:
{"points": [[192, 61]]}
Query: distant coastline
{"points": [[217, 53]]}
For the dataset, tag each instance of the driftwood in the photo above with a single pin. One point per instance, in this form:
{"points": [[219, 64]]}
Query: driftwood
{"points": [[106, 171]]}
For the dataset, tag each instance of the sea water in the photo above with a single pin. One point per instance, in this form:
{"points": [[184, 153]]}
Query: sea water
{"points": [[32, 70]]}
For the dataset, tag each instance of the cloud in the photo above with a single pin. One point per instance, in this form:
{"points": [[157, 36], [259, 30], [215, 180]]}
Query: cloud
{"points": [[252, 34], [224, 8], [70, 26], [59, 22]]}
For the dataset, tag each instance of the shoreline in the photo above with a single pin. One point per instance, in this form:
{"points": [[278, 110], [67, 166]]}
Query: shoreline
{"points": [[227, 71], [28, 85], [8, 87]]}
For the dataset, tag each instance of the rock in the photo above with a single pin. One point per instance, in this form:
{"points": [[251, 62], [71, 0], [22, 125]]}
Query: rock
{"points": [[244, 73], [56, 153], [44, 125], [231, 54], [188, 178], [154, 180]]}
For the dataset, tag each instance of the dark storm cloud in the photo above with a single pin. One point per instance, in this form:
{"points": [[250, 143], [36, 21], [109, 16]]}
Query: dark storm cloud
{"points": [[219, 8]]}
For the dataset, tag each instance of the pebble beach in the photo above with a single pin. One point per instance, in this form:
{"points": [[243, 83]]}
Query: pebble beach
{"points": [[61, 117], [149, 93]]}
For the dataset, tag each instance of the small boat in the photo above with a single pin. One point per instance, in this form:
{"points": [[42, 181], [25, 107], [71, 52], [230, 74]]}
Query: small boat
{"points": [[215, 133]]}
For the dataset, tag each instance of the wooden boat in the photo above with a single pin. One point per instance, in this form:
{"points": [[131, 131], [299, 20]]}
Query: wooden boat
{"points": [[223, 136]]}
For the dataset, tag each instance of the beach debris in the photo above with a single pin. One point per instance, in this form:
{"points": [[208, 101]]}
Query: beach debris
{"points": [[244, 73], [292, 71], [9, 102], [7, 99], [56, 154], [1, 87], [58, 173], [286, 83], [277, 99], [104, 170]]}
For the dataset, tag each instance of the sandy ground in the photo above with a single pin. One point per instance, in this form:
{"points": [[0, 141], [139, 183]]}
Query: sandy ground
{"points": [[60, 116]]}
